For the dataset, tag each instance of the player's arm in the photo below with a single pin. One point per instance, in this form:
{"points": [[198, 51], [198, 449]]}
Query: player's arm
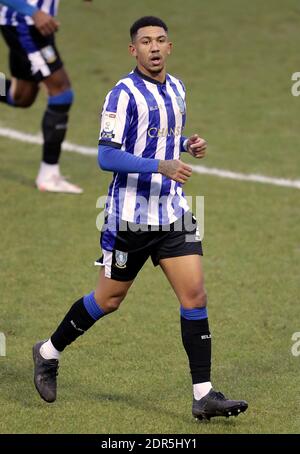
{"points": [[45, 23], [116, 160], [21, 6]]}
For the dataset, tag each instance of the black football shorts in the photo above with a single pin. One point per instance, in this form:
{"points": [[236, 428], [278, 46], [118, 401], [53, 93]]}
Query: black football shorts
{"points": [[125, 251], [32, 56]]}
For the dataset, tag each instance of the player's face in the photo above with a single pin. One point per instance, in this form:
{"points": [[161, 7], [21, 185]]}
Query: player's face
{"points": [[151, 47]]}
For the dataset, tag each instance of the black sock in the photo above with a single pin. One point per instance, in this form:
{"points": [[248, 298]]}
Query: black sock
{"points": [[75, 323], [6, 98], [54, 127], [197, 343]]}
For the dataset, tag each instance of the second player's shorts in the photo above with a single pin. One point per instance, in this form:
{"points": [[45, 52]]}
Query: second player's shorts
{"points": [[125, 252], [32, 56]]}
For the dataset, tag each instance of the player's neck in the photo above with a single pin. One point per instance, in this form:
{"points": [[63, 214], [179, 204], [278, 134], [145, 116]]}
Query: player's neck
{"points": [[156, 77]]}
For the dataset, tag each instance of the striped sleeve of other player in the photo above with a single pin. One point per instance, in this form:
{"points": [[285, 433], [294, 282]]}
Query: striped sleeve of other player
{"points": [[115, 117]]}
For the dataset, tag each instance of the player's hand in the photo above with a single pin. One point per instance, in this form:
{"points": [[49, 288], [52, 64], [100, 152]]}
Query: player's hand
{"points": [[196, 146], [175, 169], [45, 23]]}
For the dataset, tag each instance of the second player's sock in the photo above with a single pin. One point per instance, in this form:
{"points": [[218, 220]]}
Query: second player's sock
{"points": [[48, 170], [82, 316], [54, 125]]}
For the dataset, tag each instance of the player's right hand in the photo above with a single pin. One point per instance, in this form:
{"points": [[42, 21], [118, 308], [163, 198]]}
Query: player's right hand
{"points": [[175, 169], [45, 23]]}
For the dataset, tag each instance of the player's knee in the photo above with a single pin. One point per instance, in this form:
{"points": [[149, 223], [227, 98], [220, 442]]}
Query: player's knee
{"points": [[196, 299], [201, 299], [112, 303], [59, 86]]}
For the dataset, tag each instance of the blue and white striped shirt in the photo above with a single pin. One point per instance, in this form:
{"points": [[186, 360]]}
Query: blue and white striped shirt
{"points": [[8, 16], [145, 118]]}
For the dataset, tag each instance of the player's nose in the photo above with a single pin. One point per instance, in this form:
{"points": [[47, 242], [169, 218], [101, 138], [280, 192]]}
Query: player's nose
{"points": [[154, 46]]}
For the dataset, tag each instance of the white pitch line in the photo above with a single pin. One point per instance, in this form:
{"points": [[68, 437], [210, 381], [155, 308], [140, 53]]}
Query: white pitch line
{"points": [[91, 151], [38, 140], [246, 177]]}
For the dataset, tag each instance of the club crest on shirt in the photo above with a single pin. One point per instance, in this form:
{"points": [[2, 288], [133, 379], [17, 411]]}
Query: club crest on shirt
{"points": [[121, 259], [181, 105], [108, 124], [49, 54]]}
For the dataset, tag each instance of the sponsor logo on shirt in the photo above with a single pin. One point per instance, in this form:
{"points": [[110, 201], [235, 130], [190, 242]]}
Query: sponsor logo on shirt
{"points": [[164, 132]]}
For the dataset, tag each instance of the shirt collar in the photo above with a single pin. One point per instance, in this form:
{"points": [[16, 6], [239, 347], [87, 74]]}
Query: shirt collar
{"points": [[149, 79]]}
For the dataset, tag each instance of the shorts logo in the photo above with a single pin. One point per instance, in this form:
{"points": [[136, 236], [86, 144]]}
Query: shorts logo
{"points": [[49, 54], [109, 122], [121, 259], [181, 105]]}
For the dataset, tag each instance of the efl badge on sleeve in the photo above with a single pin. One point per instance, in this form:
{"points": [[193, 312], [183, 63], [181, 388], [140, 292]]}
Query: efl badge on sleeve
{"points": [[108, 125], [181, 105], [121, 259]]}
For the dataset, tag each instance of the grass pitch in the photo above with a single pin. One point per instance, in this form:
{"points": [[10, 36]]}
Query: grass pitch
{"points": [[129, 373]]}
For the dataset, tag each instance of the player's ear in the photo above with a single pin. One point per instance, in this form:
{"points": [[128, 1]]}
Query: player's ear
{"points": [[170, 47], [132, 50]]}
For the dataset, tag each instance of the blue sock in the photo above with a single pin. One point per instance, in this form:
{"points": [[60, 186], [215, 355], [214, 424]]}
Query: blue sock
{"points": [[9, 99], [66, 97], [92, 307], [198, 313]]}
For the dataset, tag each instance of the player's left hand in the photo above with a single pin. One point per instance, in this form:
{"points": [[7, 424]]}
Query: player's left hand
{"points": [[196, 146]]}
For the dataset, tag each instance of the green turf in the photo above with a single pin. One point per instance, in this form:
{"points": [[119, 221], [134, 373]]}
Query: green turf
{"points": [[129, 373]]}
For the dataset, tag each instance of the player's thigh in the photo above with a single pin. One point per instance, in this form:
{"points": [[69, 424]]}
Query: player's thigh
{"points": [[185, 274], [57, 82], [109, 292]]}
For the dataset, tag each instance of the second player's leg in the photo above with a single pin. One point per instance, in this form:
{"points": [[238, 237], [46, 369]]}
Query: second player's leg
{"points": [[54, 128], [22, 93], [58, 82]]}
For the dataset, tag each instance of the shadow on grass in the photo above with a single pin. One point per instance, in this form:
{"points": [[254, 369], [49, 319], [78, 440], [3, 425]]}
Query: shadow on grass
{"points": [[18, 388], [8, 174], [144, 403]]}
